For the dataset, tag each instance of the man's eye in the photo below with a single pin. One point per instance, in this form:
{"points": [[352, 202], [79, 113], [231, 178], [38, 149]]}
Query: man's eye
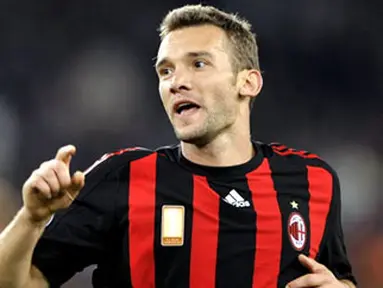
{"points": [[165, 71], [199, 64]]}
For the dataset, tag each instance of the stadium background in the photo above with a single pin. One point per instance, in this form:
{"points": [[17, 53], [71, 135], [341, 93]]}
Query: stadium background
{"points": [[81, 72]]}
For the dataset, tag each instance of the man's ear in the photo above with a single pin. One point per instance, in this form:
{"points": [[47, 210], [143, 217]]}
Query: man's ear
{"points": [[250, 82]]}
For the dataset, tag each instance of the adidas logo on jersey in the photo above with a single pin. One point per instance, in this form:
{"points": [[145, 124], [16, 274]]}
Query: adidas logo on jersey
{"points": [[233, 198]]}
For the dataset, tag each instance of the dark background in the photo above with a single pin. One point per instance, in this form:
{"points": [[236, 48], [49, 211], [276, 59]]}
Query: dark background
{"points": [[81, 72]]}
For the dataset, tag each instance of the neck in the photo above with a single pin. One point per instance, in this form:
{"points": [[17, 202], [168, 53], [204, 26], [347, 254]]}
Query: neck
{"points": [[227, 149]]}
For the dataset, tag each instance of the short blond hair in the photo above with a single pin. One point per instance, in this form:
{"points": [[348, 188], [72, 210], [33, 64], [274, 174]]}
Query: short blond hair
{"points": [[238, 31]]}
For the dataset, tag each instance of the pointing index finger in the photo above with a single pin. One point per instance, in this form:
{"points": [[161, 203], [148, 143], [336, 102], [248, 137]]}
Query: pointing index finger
{"points": [[65, 154]]}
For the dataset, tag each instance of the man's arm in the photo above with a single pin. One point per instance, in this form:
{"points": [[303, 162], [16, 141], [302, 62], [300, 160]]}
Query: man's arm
{"points": [[17, 242], [50, 188]]}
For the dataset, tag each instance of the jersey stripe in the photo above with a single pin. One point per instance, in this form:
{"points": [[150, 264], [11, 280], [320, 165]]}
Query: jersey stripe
{"points": [[291, 184], [204, 235], [141, 220], [269, 227], [236, 235], [178, 192], [320, 188]]}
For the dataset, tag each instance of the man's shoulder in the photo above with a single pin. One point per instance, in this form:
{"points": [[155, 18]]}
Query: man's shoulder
{"points": [[116, 159], [285, 153], [121, 158]]}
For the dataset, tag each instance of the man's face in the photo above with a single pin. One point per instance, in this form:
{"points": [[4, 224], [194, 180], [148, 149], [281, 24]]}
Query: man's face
{"points": [[196, 83]]}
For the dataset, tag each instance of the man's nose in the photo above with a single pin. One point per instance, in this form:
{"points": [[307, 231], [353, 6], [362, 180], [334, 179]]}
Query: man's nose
{"points": [[181, 81]]}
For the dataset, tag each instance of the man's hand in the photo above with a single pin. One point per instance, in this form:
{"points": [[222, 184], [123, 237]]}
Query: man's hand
{"points": [[319, 276], [51, 187]]}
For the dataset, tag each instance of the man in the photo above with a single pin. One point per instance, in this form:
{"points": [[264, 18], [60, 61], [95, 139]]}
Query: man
{"points": [[218, 210]]}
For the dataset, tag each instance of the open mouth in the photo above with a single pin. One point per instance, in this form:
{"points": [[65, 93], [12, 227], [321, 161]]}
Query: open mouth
{"points": [[185, 107]]}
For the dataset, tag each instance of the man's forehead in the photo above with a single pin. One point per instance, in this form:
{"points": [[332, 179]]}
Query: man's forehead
{"points": [[196, 38]]}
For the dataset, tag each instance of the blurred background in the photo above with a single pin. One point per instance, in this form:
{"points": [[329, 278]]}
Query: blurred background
{"points": [[81, 72]]}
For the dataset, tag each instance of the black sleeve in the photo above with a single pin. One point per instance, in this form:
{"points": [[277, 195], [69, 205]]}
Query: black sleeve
{"points": [[334, 254], [76, 237]]}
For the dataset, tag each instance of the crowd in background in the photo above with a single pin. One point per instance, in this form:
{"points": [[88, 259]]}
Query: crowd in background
{"points": [[81, 72]]}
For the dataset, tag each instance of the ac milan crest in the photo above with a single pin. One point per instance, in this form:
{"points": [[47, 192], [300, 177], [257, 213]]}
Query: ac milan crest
{"points": [[297, 231]]}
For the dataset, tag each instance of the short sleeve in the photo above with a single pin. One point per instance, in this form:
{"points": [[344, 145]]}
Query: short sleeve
{"points": [[76, 237], [334, 252]]}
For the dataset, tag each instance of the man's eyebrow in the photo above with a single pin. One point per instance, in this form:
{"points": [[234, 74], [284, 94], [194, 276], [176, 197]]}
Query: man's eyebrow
{"points": [[199, 54], [195, 54], [160, 62]]}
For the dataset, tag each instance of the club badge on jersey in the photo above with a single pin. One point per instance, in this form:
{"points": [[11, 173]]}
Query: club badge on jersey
{"points": [[297, 231]]}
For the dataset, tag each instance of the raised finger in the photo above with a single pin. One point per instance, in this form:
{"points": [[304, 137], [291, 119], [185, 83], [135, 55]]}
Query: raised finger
{"points": [[65, 154]]}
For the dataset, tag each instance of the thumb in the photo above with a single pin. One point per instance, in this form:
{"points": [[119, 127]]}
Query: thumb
{"points": [[311, 264], [78, 182]]}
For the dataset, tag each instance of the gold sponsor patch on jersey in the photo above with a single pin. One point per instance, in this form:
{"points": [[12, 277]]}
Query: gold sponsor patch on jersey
{"points": [[172, 225]]}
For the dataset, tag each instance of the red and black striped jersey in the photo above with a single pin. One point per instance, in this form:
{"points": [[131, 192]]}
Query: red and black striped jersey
{"points": [[154, 219]]}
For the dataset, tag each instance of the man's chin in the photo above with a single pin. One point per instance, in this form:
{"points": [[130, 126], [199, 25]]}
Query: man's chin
{"points": [[199, 139]]}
